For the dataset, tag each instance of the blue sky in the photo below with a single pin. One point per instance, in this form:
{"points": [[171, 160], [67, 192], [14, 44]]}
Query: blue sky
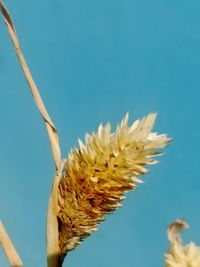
{"points": [[93, 61]]}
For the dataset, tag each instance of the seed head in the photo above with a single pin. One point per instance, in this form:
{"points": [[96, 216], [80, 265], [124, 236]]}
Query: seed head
{"points": [[99, 172]]}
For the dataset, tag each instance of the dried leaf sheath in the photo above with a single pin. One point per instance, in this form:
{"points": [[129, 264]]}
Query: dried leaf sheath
{"points": [[97, 175]]}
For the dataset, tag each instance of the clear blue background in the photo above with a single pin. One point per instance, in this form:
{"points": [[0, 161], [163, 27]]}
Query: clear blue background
{"points": [[93, 61]]}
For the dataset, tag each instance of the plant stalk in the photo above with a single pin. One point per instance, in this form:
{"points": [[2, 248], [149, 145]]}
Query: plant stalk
{"points": [[9, 248]]}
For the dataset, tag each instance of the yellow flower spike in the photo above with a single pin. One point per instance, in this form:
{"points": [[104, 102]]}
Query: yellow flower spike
{"points": [[97, 175]]}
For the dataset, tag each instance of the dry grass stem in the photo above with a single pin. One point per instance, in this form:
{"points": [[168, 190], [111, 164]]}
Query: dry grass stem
{"points": [[180, 255], [52, 224], [9, 249], [52, 132]]}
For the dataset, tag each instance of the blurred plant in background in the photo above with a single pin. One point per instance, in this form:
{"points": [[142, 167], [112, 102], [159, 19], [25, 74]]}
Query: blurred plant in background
{"points": [[180, 255]]}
